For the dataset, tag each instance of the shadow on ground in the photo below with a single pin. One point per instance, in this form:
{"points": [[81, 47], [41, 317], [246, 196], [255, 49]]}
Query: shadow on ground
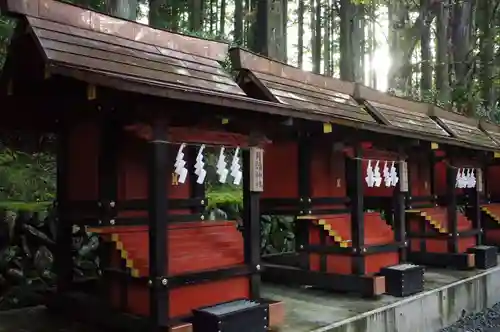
{"points": [[38, 319]]}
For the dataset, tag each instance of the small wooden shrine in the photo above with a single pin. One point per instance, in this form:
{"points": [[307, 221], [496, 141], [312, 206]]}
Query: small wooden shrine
{"points": [[135, 109], [455, 219], [318, 176], [489, 193], [348, 237], [427, 218]]}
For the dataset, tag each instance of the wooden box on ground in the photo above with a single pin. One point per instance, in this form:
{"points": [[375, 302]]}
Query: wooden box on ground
{"points": [[234, 316], [403, 279], [486, 256]]}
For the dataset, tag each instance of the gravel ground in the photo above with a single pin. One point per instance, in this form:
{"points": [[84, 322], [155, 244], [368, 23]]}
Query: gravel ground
{"points": [[485, 321]]}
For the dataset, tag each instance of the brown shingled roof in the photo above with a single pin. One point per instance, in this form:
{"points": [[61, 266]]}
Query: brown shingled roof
{"points": [[300, 89], [130, 56], [399, 112], [463, 128]]}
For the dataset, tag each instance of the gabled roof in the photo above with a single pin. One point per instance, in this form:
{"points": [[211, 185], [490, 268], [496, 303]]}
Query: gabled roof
{"points": [[491, 129], [267, 79], [399, 112], [463, 128], [297, 88], [129, 56], [80, 39]]}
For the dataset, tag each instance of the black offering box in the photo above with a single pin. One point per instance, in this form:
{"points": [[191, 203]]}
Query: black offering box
{"points": [[486, 256], [234, 316], [403, 279]]}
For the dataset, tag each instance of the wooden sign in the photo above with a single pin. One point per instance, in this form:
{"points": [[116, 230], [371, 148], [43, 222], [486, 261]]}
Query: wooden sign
{"points": [[403, 176], [479, 180], [256, 169]]}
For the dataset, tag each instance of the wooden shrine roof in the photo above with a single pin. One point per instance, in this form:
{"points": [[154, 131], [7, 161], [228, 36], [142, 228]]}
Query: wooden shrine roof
{"points": [[491, 129], [399, 112], [297, 88], [461, 127], [130, 56]]}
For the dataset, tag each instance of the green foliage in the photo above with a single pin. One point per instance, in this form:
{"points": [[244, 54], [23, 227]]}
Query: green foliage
{"points": [[277, 234], [25, 206], [26, 177], [6, 29], [225, 203], [226, 197]]}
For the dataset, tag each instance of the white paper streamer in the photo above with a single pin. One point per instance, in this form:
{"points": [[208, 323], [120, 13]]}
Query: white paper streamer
{"points": [[370, 181], [235, 168], [222, 166], [180, 164], [199, 167]]}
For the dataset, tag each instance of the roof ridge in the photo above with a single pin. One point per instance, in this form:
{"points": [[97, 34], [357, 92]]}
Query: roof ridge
{"points": [[76, 16]]}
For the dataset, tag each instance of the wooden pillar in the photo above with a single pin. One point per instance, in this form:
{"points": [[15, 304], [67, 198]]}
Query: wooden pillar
{"points": [[485, 184], [304, 172], [409, 195], [474, 202], [400, 193], [451, 201], [355, 179], [108, 195], [432, 176], [159, 176], [253, 179], [304, 187], [63, 258]]}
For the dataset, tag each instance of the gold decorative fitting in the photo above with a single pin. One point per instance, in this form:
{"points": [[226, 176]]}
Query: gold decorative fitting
{"points": [[327, 128], [91, 92], [46, 74], [225, 121], [175, 179]]}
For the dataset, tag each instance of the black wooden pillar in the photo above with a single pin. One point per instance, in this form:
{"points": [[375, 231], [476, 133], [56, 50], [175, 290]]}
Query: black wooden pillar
{"points": [[63, 260], [474, 205], [304, 172], [451, 200], [399, 209], [197, 190], [474, 202], [355, 177], [486, 191], [305, 202], [251, 226], [432, 175], [159, 174], [107, 195]]}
